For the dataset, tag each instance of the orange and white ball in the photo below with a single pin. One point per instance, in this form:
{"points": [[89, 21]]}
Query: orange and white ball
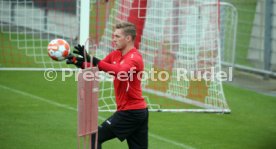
{"points": [[58, 49]]}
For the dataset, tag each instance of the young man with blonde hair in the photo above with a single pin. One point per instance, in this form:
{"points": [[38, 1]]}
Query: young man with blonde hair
{"points": [[130, 121]]}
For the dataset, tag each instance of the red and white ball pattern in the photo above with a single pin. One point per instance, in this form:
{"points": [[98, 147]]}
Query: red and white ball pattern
{"points": [[58, 49]]}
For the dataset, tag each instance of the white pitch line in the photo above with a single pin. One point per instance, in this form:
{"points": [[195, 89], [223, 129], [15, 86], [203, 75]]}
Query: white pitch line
{"points": [[157, 137], [39, 98]]}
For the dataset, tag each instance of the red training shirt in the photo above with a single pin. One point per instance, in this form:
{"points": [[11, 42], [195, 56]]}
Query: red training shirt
{"points": [[127, 71]]}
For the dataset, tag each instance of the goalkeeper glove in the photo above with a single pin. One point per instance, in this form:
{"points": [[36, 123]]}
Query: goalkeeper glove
{"points": [[80, 51], [79, 61], [71, 59]]}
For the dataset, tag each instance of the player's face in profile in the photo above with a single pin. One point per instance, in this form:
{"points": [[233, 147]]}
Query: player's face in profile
{"points": [[119, 39]]}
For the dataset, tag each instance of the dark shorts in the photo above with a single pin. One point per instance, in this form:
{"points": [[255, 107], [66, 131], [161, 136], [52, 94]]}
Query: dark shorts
{"points": [[131, 125]]}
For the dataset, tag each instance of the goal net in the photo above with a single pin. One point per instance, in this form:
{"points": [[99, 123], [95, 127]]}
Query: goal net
{"points": [[180, 40], [27, 26]]}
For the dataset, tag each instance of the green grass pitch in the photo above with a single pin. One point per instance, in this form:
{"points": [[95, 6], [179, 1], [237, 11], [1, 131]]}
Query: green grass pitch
{"points": [[38, 114]]}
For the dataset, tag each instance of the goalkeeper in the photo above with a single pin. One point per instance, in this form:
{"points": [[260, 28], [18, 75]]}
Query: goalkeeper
{"points": [[130, 121]]}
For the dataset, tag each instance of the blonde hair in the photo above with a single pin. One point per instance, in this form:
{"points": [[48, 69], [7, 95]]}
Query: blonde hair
{"points": [[128, 28]]}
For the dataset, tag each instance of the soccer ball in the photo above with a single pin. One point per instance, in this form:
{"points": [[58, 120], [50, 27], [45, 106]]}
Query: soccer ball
{"points": [[58, 49]]}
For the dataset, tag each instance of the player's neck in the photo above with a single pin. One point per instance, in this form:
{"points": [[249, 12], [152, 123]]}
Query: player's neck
{"points": [[127, 49]]}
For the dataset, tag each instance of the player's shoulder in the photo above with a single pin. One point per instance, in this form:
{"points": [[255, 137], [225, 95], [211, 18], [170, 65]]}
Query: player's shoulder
{"points": [[115, 52], [135, 54]]}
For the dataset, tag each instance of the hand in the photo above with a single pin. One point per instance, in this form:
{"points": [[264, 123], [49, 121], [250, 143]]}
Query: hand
{"points": [[71, 59], [82, 52], [79, 60]]}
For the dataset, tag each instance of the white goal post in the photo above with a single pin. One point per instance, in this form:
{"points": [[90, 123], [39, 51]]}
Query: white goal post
{"points": [[174, 36]]}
